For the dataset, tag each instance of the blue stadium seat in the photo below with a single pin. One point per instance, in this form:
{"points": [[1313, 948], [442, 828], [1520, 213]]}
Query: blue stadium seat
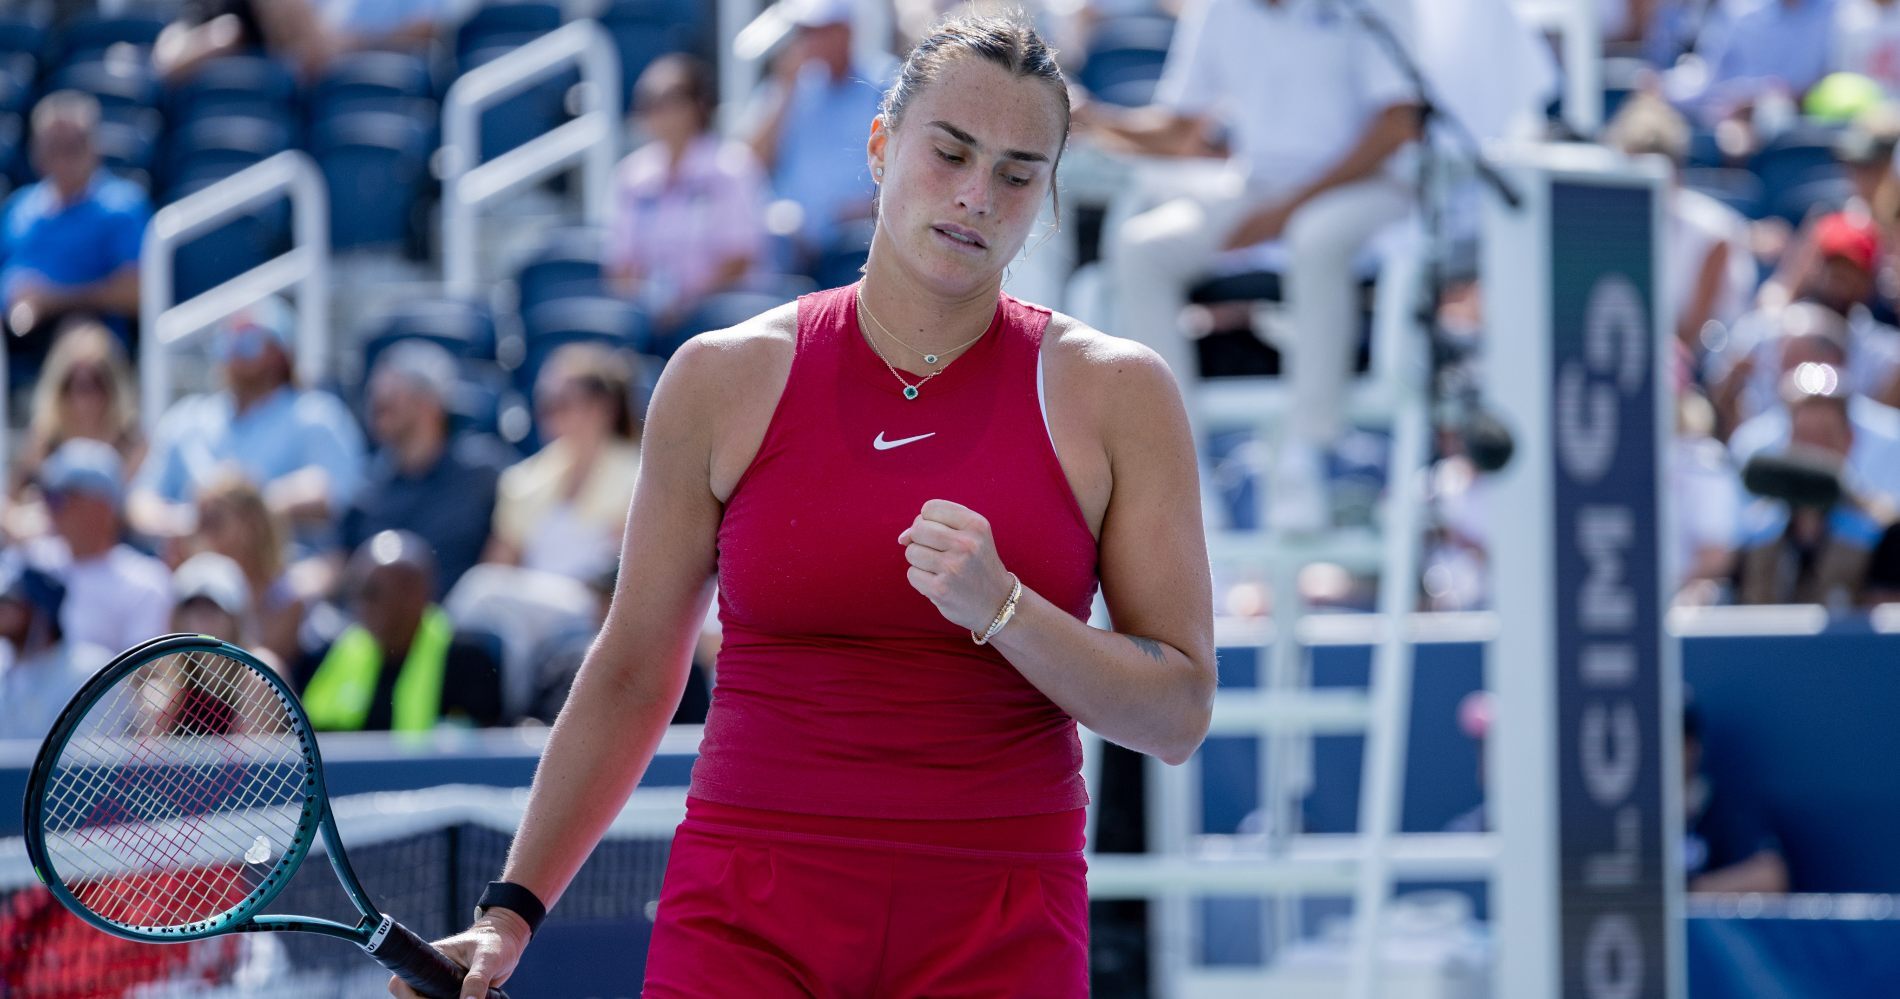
{"points": [[95, 33], [601, 319], [1823, 194], [1800, 157], [376, 164], [643, 30], [127, 141], [370, 76], [120, 82], [569, 262], [1735, 188], [250, 84], [22, 33], [222, 146], [231, 249], [464, 328], [729, 308], [13, 167], [1126, 48], [16, 82], [504, 24], [534, 111]]}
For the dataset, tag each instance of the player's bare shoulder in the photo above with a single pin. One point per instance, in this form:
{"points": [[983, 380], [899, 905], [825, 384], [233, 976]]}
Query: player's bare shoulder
{"points": [[732, 370], [1109, 373]]}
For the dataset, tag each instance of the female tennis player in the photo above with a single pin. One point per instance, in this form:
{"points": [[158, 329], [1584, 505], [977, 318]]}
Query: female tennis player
{"points": [[907, 490]]}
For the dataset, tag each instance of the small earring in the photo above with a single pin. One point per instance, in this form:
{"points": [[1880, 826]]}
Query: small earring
{"points": [[878, 173]]}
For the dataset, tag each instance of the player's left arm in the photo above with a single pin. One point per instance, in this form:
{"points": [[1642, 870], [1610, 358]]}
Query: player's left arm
{"points": [[1149, 684]]}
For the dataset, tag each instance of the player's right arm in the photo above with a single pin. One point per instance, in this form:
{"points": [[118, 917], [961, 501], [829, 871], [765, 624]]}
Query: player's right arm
{"points": [[632, 678]]}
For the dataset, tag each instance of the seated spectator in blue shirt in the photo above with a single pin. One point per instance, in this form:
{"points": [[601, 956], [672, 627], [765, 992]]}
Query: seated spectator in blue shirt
{"points": [[809, 124], [69, 243], [425, 478], [300, 446], [1773, 51]]}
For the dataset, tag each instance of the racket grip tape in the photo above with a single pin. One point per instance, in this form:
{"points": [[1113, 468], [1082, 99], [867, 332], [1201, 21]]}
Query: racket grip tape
{"points": [[409, 957]]}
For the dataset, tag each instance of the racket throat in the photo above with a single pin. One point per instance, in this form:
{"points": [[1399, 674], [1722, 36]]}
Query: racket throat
{"points": [[380, 934]]}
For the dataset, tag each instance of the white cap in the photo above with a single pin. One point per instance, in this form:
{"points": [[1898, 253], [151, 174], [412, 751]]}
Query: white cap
{"points": [[771, 27], [214, 577]]}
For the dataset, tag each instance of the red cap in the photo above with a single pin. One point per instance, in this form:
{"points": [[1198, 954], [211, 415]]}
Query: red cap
{"points": [[1837, 235]]}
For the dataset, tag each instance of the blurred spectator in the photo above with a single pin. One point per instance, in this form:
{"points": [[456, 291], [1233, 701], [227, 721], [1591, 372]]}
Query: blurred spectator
{"points": [[557, 662], [69, 242], [402, 25], [1802, 544], [1867, 41], [1813, 334], [119, 596], [85, 391], [208, 29], [1709, 267], [1315, 110], [1839, 280], [563, 509], [301, 446], [1883, 575], [690, 207], [211, 597], [425, 478], [1767, 54], [1864, 150], [233, 521], [443, 677], [43, 668], [1707, 504], [1728, 845], [809, 122]]}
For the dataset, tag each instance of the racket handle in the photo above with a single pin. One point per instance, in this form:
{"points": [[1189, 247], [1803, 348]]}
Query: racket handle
{"points": [[409, 957]]}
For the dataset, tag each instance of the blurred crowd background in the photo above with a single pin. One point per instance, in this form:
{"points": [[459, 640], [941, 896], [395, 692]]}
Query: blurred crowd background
{"points": [[452, 495]]}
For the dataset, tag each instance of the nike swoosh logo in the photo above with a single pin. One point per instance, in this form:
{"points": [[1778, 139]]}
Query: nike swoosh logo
{"points": [[883, 445]]}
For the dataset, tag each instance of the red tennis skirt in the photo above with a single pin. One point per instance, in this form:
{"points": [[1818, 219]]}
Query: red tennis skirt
{"points": [[762, 904]]}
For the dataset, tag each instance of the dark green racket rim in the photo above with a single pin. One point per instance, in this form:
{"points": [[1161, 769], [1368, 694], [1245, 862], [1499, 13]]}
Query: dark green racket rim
{"points": [[313, 817]]}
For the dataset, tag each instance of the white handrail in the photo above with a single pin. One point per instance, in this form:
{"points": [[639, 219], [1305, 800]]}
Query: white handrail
{"points": [[593, 138], [1581, 36], [165, 325]]}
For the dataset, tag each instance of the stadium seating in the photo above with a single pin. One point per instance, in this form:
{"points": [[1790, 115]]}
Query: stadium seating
{"points": [[464, 328], [218, 147], [371, 81], [552, 325], [97, 33], [508, 24], [644, 30], [1734, 187], [230, 249], [569, 262], [114, 81], [251, 85], [376, 163], [1125, 57]]}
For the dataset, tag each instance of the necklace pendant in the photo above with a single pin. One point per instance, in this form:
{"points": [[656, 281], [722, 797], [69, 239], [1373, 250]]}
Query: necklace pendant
{"points": [[930, 358], [910, 391]]}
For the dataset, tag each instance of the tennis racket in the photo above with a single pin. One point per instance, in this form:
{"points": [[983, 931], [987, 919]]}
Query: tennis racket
{"points": [[178, 793]]}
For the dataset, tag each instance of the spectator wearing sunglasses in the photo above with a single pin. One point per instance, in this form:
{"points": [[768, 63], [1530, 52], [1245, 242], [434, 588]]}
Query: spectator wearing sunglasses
{"points": [[86, 390], [299, 446]]}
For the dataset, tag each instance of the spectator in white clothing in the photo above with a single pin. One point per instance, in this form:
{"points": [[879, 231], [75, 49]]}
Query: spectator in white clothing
{"points": [[119, 596], [1867, 41], [1710, 271], [42, 668], [1314, 111]]}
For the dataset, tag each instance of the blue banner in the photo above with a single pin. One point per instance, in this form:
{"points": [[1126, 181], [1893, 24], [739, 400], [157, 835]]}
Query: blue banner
{"points": [[1608, 614]]}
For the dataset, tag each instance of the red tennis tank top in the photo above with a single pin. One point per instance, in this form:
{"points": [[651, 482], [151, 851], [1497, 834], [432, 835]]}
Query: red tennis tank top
{"points": [[841, 690]]}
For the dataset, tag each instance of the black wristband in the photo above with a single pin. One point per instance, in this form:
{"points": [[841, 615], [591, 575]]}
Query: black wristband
{"points": [[514, 898]]}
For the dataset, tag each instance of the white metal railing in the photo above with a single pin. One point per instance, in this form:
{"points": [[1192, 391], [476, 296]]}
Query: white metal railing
{"points": [[592, 138], [1580, 36], [165, 325]]}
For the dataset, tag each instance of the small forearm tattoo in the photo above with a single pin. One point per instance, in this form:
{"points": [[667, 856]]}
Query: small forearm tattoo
{"points": [[1149, 646]]}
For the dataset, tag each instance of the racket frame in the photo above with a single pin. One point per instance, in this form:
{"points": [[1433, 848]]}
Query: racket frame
{"points": [[316, 820]]}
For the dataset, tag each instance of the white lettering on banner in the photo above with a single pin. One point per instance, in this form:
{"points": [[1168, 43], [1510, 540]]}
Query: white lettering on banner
{"points": [[1613, 959], [1592, 389]]}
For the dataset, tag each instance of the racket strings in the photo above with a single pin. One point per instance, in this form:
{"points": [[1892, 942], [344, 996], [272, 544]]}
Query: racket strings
{"points": [[182, 790]]}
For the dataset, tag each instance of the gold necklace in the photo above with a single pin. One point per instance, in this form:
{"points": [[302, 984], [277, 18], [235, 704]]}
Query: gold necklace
{"points": [[886, 330], [910, 391]]}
